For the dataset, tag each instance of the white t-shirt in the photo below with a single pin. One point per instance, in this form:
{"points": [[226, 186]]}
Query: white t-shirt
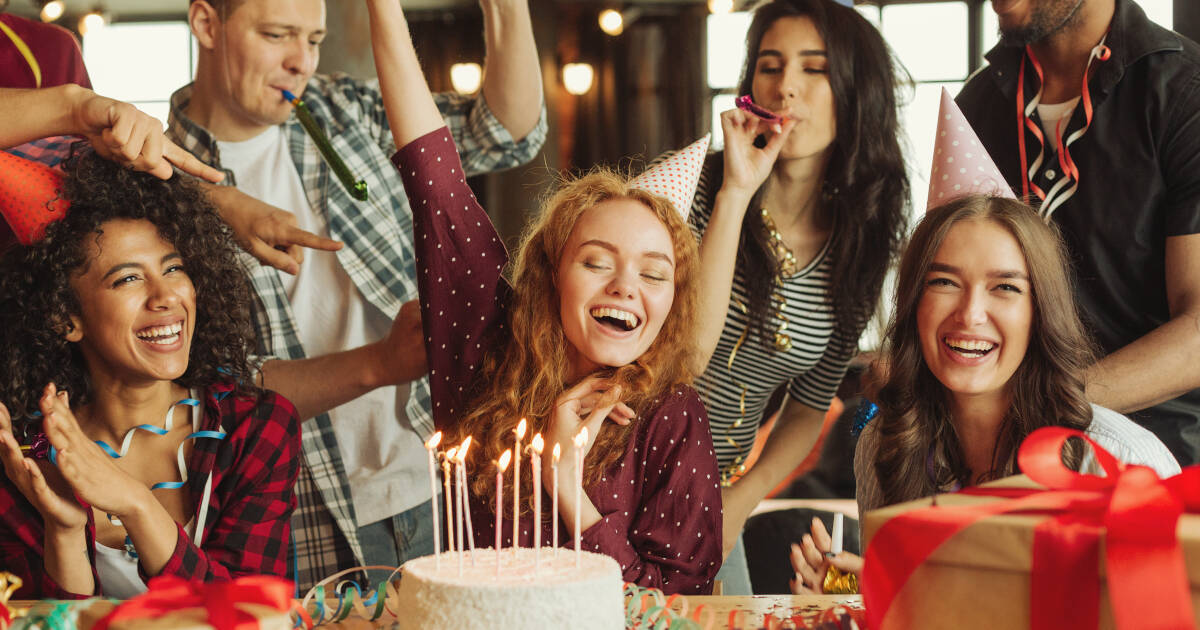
{"points": [[1051, 115], [383, 457]]}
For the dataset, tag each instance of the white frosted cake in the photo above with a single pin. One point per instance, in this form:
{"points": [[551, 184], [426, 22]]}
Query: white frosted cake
{"points": [[554, 594]]}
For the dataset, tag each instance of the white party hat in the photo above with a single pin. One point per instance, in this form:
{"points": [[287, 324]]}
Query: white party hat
{"points": [[676, 177], [961, 165]]}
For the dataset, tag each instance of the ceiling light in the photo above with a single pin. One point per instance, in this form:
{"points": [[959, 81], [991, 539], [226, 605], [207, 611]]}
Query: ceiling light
{"points": [[717, 7], [577, 77], [52, 10], [92, 22], [466, 77], [611, 22]]}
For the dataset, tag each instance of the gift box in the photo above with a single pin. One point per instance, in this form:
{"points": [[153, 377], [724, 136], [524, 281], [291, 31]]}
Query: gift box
{"points": [[1075, 551]]}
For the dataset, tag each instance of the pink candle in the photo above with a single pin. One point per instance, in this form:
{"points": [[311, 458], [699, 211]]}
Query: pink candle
{"points": [[458, 517], [536, 447], [501, 466], [580, 442], [446, 458], [520, 433], [431, 446], [461, 470], [556, 453]]}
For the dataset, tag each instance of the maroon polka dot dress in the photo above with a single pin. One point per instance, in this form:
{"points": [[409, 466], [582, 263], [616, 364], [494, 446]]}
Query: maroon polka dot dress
{"points": [[661, 501]]}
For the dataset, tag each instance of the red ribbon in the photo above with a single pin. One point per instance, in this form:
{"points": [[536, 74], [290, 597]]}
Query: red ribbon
{"points": [[219, 600], [1147, 579]]}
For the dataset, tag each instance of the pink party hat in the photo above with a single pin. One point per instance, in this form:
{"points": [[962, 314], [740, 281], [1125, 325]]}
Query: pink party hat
{"points": [[961, 166], [676, 177]]}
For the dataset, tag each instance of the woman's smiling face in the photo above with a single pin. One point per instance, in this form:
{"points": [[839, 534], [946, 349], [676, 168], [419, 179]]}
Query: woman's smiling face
{"points": [[975, 314], [137, 304], [616, 284]]}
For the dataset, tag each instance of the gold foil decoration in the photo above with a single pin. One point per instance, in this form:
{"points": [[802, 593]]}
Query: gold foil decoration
{"points": [[838, 583]]}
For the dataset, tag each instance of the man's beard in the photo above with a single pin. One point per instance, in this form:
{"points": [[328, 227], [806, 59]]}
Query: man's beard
{"points": [[1048, 17]]}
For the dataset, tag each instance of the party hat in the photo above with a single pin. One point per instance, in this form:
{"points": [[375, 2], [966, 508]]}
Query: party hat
{"points": [[961, 166], [676, 177], [29, 197]]}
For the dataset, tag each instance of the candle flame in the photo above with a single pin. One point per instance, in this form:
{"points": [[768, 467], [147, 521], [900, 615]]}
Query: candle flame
{"points": [[434, 441], [557, 451], [502, 464], [450, 453], [462, 449], [581, 438], [537, 444], [520, 430]]}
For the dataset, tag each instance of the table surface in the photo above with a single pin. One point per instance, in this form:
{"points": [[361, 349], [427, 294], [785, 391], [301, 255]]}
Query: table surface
{"points": [[781, 606]]}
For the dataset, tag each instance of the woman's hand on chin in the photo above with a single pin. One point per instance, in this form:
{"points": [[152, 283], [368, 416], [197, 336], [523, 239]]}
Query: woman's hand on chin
{"points": [[40, 483], [90, 472], [586, 404]]}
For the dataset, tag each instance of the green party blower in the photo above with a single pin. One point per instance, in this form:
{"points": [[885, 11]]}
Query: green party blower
{"points": [[357, 189]]}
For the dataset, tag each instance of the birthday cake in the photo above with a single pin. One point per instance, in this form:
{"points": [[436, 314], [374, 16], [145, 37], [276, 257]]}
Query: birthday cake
{"points": [[545, 591]]}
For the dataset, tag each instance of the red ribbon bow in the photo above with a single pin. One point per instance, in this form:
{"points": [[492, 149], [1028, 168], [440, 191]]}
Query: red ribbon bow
{"points": [[1147, 578], [219, 600]]}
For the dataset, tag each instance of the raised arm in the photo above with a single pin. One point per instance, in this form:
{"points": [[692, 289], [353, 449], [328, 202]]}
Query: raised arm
{"points": [[410, 108], [512, 80], [746, 168]]}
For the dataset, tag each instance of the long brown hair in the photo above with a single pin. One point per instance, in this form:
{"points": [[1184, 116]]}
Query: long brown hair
{"points": [[866, 190], [1047, 389], [525, 374]]}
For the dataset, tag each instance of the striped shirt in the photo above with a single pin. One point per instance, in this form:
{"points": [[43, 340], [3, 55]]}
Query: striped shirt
{"points": [[811, 369]]}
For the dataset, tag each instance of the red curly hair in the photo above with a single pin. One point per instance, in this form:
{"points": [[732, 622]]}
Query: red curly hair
{"points": [[526, 374]]}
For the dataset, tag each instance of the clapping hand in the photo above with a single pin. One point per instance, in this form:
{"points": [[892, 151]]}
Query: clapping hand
{"points": [[39, 481], [89, 472]]}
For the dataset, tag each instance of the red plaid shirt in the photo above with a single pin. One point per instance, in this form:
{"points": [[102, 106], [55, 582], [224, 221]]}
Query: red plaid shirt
{"points": [[247, 528]]}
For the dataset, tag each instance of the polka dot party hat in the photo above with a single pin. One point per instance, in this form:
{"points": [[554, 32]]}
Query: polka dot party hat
{"points": [[961, 166], [29, 196], [676, 177]]}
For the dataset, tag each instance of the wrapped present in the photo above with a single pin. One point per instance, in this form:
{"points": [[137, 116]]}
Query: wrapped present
{"points": [[250, 603], [1051, 549]]}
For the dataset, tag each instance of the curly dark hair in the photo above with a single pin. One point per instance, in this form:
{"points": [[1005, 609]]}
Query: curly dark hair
{"points": [[866, 185], [35, 282]]}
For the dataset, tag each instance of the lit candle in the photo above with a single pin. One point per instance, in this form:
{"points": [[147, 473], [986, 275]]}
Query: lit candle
{"points": [[536, 459], [446, 458], [556, 453], [458, 516], [466, 495], [501, 466], [580, 441], [431, 446], [520, 433]]}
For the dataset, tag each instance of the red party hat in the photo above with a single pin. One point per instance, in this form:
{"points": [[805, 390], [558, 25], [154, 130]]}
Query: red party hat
{"points": [[961, 165], [29, 197]]}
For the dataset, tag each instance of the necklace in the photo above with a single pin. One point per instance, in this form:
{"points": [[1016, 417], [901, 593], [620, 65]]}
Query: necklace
{"points": [[787, 267], [783, 341]]}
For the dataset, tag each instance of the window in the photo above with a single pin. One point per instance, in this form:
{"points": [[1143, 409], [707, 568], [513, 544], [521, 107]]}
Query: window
{"points": [[120, 67], [726, 54]]}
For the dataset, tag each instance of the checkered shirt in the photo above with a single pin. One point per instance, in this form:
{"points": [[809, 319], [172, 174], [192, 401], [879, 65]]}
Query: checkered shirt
{"points": [[378, 257], [253, 474]]}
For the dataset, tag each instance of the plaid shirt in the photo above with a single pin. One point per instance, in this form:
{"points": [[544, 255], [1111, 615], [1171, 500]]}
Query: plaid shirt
{"points": [[378, 257], [253, 471]]}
